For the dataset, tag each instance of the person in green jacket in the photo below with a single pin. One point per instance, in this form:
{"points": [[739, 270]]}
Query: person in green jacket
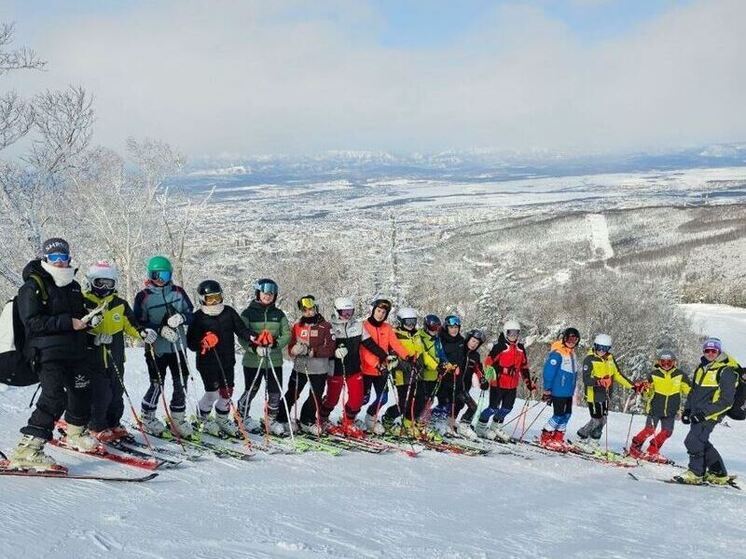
{"points": [[263, 357]]}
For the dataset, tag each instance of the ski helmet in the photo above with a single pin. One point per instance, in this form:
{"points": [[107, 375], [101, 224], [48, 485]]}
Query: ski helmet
{"points": [[102, 277], [432, 323], [511, 326], [345, 307], [265, 285], [476, 334], [307, 302], [210, 292], [569, 333], [160, 269], [665, 354], [407, 318], [452, 320], [385, 304], [602, 342]]}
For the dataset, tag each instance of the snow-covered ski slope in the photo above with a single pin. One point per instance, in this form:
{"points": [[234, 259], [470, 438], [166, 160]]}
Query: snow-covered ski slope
{"points": [[363, 505]]}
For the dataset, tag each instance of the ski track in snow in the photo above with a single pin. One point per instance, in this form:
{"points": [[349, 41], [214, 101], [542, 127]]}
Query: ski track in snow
{"points": [[364, 505]]}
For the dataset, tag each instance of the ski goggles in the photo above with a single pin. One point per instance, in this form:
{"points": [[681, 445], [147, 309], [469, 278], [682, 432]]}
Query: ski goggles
{"points": [[307, 303], [212, 299], [161, 275], [267, 287], [385, 305], [604, 348], [711, 350], [666, 363], [452, 321], [345, 314], [57, 257], [409, 323], [103, 283], [513, 333]]}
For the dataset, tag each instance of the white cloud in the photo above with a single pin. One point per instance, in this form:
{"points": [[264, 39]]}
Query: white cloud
{"points": [[245, 77]]}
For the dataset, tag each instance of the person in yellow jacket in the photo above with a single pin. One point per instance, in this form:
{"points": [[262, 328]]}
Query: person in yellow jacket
{"points": [[405, 374], [105, 350], [664, 387], [600, 371]]}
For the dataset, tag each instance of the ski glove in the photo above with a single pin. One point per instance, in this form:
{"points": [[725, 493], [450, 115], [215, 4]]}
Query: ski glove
{"points": [[604, 383], [531, 384], [208, 342], [95, 320], [169, 334], [299, 349], [103, 339], [148, 335], [175, 320], [340, 352], [640, 386], [686, 417], [547, 397], [392, 362], [484, 384], [490, 373], [265, 338]]}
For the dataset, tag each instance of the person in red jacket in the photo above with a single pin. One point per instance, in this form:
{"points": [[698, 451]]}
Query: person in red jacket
{"points": [[379, 352], [509, 364], [312, 345]]}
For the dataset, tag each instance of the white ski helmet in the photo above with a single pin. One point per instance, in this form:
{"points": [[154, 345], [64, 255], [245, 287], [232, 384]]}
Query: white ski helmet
{"points": [[407, 314], [602, 341], [343, 303], [102, 277], [510, 325]]}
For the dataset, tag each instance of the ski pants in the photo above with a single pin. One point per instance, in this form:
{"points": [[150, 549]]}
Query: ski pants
{"points": [[651, 423], [424, 392], [595, 427], [107, 397], [502, 401], [65, 388], [334, 387], [562, 412], [309, 413], [252, 379], [703, 457], [404, 403], [212, 377], [379, 383], [157, 369], [471, 407]]}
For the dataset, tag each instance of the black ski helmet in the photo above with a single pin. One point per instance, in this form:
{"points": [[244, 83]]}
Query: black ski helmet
{"points": [[476, 334], [432, 323], [570, 332], [265, 285], [208, 287], [385, 304], [307, 302]]}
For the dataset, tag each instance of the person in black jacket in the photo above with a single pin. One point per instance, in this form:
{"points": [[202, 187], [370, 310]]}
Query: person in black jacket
{"points": [[210, 335], [454, 348], [50, 306]]}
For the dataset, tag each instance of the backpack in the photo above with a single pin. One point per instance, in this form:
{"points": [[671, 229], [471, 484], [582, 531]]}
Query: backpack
{"points": [[738, 410], [16, 369]]}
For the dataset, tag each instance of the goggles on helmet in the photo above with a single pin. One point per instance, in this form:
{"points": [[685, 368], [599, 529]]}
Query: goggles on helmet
{"points": [[212, 299], [666, 363], [161, 275], [604, 348], [103, 283], [513, 333], [409, 323], [267, 287], [345, 314], [453, 320], [57, 257], [307, 303]]}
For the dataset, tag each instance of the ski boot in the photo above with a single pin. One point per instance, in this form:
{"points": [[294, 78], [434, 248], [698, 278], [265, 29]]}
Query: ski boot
{"points": [[373, 426], [424, 433], [484, 431], [276, 428], [151, 424], [689, 478], [208, 425], [635, 450], [78, 438], [225, 424], [589, 446], [547, 438], [181, 427], [718, 478], [465, 430], [120, 432], [252, 425], [500, 434], [29, 454], [313, 429]]}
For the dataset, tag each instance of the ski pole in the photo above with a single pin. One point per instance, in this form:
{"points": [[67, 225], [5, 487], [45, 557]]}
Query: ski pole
{"points": [[162, 388], [315, 400], [631, 417], [524, 413], [236, 414], [282, 396], [521, 414], [538, 415], [120, 378]]}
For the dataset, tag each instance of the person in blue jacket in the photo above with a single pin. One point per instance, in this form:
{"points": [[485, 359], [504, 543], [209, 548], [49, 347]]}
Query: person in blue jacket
{"points": [[560, 375]]}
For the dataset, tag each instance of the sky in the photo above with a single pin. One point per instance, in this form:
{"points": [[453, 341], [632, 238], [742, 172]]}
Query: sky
{"points": [[249, 77]]}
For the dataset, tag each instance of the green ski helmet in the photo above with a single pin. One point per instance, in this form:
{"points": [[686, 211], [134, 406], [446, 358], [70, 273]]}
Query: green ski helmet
{"points": [[160, 264]]}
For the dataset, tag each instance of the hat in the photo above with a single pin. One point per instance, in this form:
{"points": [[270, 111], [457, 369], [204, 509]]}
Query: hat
{"points": [[55, 245], [713, 343]]}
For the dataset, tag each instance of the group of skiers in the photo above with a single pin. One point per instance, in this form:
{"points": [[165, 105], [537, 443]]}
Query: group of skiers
{"points": [[75, 339]]}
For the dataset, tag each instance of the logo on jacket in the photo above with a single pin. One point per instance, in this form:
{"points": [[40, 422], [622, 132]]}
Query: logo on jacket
{"points": [[116, 317], [81, 381]]}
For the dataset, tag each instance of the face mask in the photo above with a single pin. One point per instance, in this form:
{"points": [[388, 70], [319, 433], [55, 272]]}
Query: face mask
{"points": [[61, 276], [213, 310]]}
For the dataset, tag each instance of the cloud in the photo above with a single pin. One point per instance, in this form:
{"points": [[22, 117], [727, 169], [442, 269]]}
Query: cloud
{"points": [[282, 77]]}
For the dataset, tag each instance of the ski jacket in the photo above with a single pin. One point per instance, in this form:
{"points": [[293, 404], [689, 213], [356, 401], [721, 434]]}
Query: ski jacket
{"points": [[434, 349], [118, 319], [510, 362], [471, 366], [378, 340], [713, 387], [454, 348], [347, 333], [316, 334], [665, 391], [412, 342], [595, 368], [155, 304], [560, 371], [46, 312], [260, 317], [225, 326]]}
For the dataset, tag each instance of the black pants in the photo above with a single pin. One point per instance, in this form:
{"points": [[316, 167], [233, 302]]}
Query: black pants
{"points": [[65, 385], [107, 401], [404, 403], [296, 384], [703, 457], [424, 390], [471, 407], [252, 379], [212, 377], [379, 383], [157, 370]]}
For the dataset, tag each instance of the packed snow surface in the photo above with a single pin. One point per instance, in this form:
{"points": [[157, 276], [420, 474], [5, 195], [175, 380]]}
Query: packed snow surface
{"points": [[363, 505]]}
